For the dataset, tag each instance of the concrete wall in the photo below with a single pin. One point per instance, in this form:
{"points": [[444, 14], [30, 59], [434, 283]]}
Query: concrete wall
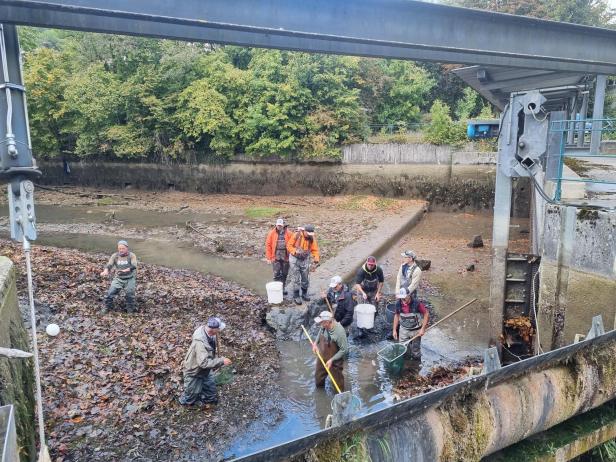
{"points": [[16, 375], [391, 153], [457, 187], [578, 273]]}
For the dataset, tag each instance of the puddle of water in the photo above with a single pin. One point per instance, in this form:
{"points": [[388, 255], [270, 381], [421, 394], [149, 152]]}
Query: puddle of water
{"points": [[54, 214], [250, 273], [305, 408]]}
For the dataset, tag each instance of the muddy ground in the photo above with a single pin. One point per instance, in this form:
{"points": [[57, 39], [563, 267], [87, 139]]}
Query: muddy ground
{"points": [[111, 382], [222, 224]]}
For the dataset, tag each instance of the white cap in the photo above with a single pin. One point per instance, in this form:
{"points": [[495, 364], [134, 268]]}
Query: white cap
{"points": [[402, 293], [280, 222], [409, 254], [324, 316], [335, 281]]}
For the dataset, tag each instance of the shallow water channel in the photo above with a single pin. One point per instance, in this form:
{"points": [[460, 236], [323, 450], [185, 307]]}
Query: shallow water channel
{"points": [[306, 407]]}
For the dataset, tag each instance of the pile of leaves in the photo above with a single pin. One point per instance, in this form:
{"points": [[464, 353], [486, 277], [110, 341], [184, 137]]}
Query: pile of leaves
{"points": [[523, 326], [439, 376], [111, 382]]}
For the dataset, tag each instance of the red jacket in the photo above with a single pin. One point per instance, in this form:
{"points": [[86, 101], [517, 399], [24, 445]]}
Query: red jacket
{"points": [[272, 239]]}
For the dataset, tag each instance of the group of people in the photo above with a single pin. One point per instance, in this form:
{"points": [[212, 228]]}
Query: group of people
{"points": [[293, 255], [290, 252]]}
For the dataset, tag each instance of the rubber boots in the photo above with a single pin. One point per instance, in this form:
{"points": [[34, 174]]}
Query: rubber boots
{"points": [[305, 294], [296, 297]]}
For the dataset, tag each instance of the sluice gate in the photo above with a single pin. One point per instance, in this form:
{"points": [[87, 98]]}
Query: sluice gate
{"points": [[475, 417]]}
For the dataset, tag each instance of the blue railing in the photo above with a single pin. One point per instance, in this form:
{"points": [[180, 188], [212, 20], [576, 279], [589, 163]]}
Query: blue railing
{"points": [[575, 143]]}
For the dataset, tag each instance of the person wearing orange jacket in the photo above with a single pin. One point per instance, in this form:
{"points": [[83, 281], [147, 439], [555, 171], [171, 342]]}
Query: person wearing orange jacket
{"points": [[276, 252], [301, 247]]}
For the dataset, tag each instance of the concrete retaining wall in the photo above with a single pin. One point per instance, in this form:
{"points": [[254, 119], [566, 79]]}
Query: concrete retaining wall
{"points": [[390, 153], [456, 187], [578, 273], [16, 375]]}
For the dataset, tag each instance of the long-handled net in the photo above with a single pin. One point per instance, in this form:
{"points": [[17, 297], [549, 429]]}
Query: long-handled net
{"points": [[393, 354]]}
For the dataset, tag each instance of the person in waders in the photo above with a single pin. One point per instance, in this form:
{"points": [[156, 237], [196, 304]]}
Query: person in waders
{"points": [[200, 361], [124, 263], [331, 342], [409, 274], [301, 247], [276, 252], [341, 301], [412, 317]]}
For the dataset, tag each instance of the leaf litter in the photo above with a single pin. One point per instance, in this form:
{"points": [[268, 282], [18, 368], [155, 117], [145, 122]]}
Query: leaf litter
{"points": [[111, 382]]}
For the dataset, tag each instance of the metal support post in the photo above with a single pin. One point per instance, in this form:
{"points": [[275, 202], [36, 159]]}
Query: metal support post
{"points": [[597, 113], [500, 240], [582, 123], [571, 127], [17, 166]]}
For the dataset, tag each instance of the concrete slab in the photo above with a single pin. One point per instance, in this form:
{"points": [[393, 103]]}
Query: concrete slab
{"points": [[349, 259]]}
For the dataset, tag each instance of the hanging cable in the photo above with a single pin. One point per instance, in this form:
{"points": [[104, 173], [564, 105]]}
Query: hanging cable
{"points": [[44, 453]]}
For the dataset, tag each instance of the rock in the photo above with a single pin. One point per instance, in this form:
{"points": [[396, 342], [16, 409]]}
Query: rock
{"points": [[424, 265], [470, 267], [476, 242]]}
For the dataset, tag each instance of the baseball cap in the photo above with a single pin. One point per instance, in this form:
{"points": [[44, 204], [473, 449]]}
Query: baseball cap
{"points": [[280, 222], [409, 253], [335, 281], [402, 293], [324, 316], [215, 323], [309, 229]]}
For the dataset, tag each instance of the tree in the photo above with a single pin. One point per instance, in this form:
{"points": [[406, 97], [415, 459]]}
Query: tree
{"points": [[588, 12], [442, 129]]}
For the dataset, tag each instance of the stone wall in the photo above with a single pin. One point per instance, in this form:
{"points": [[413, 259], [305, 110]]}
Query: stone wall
{"points": [[415, 153], [578, 273], [16, 375]]}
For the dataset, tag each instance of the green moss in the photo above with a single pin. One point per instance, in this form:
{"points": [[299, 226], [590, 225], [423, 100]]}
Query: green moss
{"points": [[262, 212]]}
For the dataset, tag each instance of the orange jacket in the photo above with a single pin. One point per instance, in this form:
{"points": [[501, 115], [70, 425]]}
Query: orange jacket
{"points": [[271, 240], [298, 241]]}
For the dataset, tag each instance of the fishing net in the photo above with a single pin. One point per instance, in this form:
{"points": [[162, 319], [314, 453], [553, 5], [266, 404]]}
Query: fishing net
{"points": [[224, 375], [393, 356], [345, 407]]}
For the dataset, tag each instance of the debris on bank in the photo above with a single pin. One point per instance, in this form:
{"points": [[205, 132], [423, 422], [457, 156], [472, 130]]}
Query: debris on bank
{"points": [[111, 382], [439, 376]]}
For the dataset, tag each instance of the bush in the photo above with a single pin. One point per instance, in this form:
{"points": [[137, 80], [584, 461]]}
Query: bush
{"points": [[442, 129]]}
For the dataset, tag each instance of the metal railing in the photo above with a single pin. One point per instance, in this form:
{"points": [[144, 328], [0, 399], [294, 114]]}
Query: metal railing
{"points": [[574, 144], [8, 435]]}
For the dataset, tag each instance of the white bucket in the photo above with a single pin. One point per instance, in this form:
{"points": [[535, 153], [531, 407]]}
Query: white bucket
{"points": [[365, 315], [274, 292]]}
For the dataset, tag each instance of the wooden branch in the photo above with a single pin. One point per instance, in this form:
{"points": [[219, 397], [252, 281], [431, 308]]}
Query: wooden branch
{"points": [[13, 353]]}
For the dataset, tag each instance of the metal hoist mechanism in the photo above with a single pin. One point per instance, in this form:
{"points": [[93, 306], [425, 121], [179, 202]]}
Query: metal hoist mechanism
{"points": [[522, 151], [18, 169]]}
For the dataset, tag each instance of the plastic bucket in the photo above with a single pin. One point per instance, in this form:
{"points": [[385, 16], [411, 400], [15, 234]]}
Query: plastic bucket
{"points": [[365, 315], [274, 292]]}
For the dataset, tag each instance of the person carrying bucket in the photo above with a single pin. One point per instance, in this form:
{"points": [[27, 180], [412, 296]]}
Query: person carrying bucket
{"points": [[332, 344], [341, 302], [412, 317], [276, 252], [369, 282]]}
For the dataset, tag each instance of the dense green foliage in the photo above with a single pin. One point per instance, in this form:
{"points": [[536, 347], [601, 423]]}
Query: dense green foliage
{"points": [[127, 97], [588, 12], [442, 129]]}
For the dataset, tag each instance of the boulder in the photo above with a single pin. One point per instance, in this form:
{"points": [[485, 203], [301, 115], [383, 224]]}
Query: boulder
{"points": [[424, 265], [476, 242]]}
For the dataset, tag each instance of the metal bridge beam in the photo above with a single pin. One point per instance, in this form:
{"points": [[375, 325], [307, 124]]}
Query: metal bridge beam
{"points": [[386, 28]]}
